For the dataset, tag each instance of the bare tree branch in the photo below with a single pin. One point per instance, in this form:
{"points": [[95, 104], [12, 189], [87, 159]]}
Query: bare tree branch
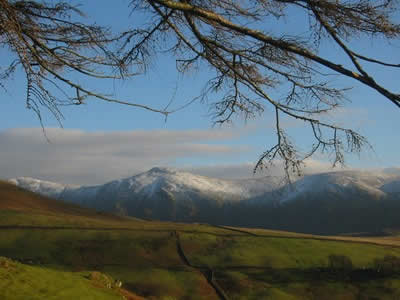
{"points": [[48, 45], [247, 63]]}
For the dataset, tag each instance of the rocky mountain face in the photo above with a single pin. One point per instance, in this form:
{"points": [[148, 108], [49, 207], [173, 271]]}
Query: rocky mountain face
{"points": [[326, 203]]}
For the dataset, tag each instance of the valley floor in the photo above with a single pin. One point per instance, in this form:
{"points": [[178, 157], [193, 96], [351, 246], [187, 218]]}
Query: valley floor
{"points": [[57, 251], [157, 260]]}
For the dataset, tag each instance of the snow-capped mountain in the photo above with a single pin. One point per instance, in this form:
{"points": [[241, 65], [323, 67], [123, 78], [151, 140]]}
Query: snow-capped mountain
{"points": [[334, 202], [151, 182], [179, 182], [340, 183], [152, 189], [184, 184]]}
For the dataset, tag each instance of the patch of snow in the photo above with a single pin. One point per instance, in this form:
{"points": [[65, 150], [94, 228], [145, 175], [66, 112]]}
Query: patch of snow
{"points": [[180, 182], [338, 182], [46, 188]]}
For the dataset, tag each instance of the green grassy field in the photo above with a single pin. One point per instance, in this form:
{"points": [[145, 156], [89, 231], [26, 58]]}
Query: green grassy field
{"points": [[19, 281], [59, 251]]}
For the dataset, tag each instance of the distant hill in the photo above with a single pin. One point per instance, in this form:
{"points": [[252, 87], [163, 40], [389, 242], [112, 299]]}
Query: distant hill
{"points": [[326, 203]]}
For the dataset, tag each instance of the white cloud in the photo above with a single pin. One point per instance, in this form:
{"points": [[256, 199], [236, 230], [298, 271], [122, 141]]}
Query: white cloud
{"points": [[81, 157], [245, 170]]}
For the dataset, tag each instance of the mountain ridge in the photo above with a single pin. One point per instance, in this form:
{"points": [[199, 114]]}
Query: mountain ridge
{"points": [[155, 179], [312, 204]]}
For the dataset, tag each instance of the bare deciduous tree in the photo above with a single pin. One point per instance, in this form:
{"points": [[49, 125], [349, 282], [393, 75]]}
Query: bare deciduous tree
{"points": [[230, 36], [48, 44]]}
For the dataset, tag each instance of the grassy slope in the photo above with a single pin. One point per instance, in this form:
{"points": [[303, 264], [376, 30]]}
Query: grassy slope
{"points": [[18, 281], [21, 207], [64, 241]]}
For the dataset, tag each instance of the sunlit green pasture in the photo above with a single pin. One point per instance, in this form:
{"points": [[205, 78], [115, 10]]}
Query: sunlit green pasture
{"points": [[56, 248], [276, 252], [21, 282]]}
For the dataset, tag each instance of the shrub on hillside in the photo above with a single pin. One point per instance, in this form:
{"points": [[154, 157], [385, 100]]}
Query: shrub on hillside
{"points": [[390, 264], [340, 262], [6, 263]]}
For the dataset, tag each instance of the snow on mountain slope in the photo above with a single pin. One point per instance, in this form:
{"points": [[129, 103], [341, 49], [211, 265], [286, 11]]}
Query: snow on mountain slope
{"points": [[176, 181], [186, 186], [341, 183], [149, 183], [46, 188]]}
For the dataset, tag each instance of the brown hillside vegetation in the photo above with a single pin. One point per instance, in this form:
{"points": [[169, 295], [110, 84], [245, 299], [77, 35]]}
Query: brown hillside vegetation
{"points": [[15, 198], [28, 205]]}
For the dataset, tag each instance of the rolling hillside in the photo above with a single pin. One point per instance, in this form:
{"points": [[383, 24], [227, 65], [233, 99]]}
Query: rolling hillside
{"points": [[89, 253], [15, 198], [20, 207]]}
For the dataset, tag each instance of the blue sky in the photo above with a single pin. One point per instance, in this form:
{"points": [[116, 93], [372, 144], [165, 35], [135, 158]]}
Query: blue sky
{"points": [[188, 135]]}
